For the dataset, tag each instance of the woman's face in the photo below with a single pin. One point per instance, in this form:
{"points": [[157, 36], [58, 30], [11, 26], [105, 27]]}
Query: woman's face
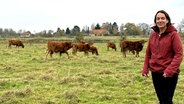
{"points": [[161, 20]]}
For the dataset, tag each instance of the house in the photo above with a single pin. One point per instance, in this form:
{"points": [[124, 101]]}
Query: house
{"points": [[99, 32], [25, 34]]}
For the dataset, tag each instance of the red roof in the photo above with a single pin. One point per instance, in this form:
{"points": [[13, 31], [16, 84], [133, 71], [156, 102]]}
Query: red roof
{"points": [[99, 31]]}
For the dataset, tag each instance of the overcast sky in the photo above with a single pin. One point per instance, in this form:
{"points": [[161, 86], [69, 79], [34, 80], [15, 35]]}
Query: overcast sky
{"points": [[38, 15]]}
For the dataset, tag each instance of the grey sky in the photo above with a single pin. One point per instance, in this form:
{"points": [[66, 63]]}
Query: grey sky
{"points": [[38, 15]]}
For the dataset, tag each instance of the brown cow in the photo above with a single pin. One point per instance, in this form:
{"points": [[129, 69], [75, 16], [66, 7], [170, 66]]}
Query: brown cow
{"points": [[61, 47], [133, 46], [84, 42], [111, 45], [81, 48], [93, 50], [15, 42], [81, 41]]}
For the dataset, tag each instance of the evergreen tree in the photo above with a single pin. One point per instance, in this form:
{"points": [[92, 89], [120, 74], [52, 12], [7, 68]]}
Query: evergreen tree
{"points": [[67, 31], [97, 26]]}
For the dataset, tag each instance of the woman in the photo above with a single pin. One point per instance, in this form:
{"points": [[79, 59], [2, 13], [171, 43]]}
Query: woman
{"points": [[163, 57]]}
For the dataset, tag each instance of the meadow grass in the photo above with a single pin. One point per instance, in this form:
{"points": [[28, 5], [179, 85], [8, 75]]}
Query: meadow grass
{"points": [[27, 78]]}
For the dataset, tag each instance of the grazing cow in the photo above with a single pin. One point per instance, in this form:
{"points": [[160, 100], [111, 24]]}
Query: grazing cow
{"points": [[111, 45], [133, 46], [81, 48], [90, 43], [61, 47], [15, 42], [93, 50], [81, 41], [84, 42]]}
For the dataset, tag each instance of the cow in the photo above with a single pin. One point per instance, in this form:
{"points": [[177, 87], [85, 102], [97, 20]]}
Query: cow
{"points": [[111, 45], [84, 42], [81, 41], [15, 42], [133, 46], [93, 50], [55, 47], [80, 48]]}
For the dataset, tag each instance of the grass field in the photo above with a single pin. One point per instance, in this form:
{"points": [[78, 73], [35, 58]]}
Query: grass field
{"points": [[27, 78]]}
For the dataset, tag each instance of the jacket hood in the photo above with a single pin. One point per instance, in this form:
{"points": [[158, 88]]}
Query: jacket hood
{"points": [[169, 29]]}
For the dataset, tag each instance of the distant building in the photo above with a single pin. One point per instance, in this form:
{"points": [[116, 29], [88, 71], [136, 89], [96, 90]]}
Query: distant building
{"points": [[98, 32], [25, 34]]}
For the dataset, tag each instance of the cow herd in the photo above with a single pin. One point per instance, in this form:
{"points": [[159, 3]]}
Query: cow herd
{"points": [[62, 47]]}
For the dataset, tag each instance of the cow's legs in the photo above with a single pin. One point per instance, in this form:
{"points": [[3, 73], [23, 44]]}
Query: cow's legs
{"points": [[9, 45], [74, 51], [60, 54], [67, 55], [46, 52], [124, 53], [51, 52], [137, 54], [86, 53]]}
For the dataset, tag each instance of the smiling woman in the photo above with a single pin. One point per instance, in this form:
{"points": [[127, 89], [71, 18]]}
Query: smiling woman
{"points": [[163, 57]]}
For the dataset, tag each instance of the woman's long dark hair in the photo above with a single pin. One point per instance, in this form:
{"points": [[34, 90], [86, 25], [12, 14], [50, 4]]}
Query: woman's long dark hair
{"points": [[166, 15]]}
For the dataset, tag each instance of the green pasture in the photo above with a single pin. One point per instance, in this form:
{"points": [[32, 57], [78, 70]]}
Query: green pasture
{"points": [[27, 78]]}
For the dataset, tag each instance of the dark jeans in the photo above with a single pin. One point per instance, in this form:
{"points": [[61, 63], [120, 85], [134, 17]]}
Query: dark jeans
{"points": [[164, 87]]}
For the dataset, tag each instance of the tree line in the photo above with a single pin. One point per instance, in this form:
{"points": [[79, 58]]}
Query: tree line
{"points": [[128, 29]]}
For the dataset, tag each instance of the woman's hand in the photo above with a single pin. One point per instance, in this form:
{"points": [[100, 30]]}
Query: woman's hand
{"points": [[164, 75], [146, 75]]}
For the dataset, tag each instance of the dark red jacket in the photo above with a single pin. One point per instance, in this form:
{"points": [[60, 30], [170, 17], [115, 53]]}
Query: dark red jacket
{"points": [[164, 53]]}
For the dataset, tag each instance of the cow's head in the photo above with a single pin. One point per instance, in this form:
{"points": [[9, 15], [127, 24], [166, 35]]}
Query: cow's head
{"points": [[22, 46], [69, 44]]}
